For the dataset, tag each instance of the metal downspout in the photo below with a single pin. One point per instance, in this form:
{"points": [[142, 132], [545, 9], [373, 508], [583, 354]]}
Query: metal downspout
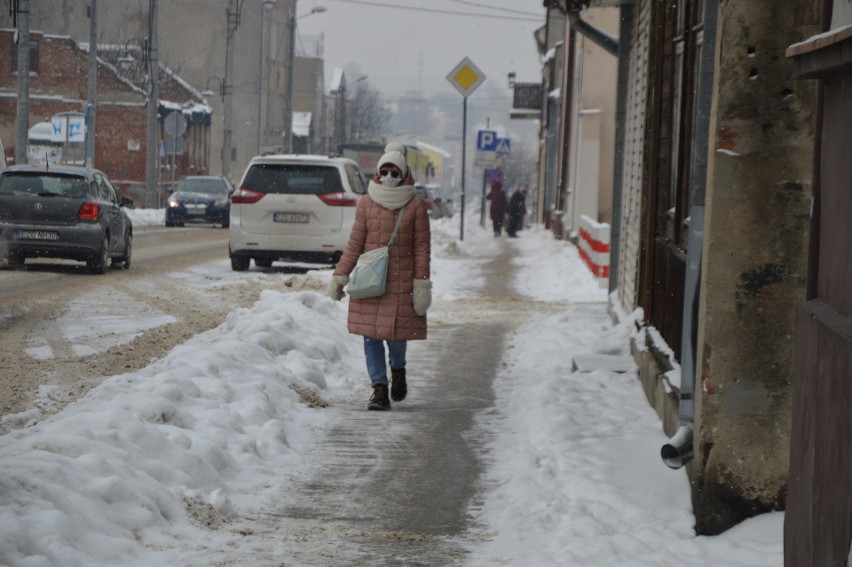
{"points": [[679, 449], [625, 31], [606, 41]]}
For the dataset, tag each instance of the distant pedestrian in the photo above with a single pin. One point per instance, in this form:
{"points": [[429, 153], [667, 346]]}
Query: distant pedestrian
{"points": [[499, 202], [517, 211], [399, 315]]}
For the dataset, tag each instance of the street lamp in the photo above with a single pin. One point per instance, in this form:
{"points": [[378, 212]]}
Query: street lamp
{"points": [[291, 57], [208, 92], [126, 59]]}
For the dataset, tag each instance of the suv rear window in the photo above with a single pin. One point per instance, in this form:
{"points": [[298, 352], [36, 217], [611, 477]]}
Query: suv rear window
{"points": [[291, 178]]}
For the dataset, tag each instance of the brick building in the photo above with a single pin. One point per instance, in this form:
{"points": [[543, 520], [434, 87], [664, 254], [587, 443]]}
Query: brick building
{"points": [[59, 83]]}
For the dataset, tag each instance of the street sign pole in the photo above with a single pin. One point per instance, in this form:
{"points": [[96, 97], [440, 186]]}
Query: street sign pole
{"points": [[464, 160], [466, 78]]}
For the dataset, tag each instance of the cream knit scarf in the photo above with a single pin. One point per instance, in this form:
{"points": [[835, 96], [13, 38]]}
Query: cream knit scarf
{"points": [[390, 197]]}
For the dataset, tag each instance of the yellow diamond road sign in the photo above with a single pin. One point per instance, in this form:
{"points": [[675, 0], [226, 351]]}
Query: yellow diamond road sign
{"points": [[466, 77]]}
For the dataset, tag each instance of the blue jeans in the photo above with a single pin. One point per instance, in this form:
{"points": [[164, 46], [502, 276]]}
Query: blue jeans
{"points": [[374, 349]]}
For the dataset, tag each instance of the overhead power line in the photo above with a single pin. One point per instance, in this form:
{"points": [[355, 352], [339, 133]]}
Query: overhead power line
{"points": [[500, 8], [528, 17]]}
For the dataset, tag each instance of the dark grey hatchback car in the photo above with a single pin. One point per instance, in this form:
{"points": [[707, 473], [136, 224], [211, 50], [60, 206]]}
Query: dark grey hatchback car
{"points": [[63, 212]]}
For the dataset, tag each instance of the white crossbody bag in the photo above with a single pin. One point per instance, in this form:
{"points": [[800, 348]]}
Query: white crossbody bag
{"points": [[370, 276]]}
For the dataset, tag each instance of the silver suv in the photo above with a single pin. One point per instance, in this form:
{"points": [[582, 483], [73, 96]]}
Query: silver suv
{"points": [[296, 208]]}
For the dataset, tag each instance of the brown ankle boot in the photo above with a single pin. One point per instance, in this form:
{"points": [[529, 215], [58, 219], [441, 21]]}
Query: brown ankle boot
{"points": [[379, 401], [399, 388]]}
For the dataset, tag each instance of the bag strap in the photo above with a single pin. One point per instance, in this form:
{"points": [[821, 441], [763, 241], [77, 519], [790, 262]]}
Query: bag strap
{"points": [[395, 228]]}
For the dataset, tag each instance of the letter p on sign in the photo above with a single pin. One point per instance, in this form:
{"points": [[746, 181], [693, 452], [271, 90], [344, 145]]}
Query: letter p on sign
{"points": [[486, 140]]}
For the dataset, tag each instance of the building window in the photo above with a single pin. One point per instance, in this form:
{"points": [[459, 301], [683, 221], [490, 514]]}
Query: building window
{"points": [[33, 57], [685, 49]]}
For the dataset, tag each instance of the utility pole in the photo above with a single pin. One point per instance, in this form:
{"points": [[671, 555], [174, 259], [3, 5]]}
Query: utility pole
{"points": [[152, 168], [91, 105], [22, 119], [227, 90], [288, 92]]}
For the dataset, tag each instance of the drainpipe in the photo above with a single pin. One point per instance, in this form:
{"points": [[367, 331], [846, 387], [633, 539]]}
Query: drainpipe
{"points": [[625, 30], [679, 451], [603, 39]]}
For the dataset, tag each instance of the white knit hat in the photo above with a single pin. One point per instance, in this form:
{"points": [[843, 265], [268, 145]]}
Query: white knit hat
{"points": [[395, 155]]}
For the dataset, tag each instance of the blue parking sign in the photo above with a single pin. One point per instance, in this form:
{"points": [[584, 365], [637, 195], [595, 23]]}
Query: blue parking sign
{"points": [[486, 140]]}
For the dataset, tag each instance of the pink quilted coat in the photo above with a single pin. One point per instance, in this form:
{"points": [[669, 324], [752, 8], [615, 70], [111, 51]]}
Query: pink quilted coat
{"points": [[391, 316]]}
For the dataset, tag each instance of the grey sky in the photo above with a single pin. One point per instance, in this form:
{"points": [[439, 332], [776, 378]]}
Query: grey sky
{"points": [[415, 45]]}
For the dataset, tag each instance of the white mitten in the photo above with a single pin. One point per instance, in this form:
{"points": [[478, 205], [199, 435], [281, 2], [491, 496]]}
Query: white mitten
{"points": [[335, 287], [422, 296]]}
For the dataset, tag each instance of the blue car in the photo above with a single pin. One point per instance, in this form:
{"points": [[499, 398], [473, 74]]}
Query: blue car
{"points": [[201, 199]]}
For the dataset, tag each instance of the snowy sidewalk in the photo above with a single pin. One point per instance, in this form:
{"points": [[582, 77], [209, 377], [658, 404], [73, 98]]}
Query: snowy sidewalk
{"points": [[574, 475]]}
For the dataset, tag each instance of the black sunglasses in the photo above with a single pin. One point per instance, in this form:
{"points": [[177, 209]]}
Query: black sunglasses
{"points": [[392, 172]]}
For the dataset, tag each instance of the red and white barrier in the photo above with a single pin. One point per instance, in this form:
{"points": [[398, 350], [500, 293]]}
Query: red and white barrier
{"points": [[594, 246]]}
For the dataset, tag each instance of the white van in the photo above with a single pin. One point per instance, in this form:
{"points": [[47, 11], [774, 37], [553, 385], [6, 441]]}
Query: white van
{"points": [[295, 208]]}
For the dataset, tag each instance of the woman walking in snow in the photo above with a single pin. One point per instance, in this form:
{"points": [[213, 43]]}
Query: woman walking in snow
{"points": [[399, 315], [499, 203]]}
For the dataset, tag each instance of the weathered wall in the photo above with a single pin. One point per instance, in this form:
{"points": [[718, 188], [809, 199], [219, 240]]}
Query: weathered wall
{"points": [[61, 85], [753, 272]]}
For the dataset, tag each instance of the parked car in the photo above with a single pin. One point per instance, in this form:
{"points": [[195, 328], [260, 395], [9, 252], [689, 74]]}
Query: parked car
{"points": [[200, 198], [63, 212], [296, 208]]}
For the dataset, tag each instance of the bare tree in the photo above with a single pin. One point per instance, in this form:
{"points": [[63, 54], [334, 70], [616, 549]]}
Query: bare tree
{"points": [[369, 115]]}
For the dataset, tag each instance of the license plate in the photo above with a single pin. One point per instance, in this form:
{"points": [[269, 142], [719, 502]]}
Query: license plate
{"points": [[196, 209], [36, 235], [291, 217]]}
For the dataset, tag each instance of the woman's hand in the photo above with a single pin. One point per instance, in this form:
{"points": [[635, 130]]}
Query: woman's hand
{"points": [[335, 287], [422, 296]]}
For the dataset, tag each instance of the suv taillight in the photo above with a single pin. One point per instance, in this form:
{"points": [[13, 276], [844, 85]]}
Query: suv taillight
{"points": [[89, 211], [338, 200], [246, 197]]}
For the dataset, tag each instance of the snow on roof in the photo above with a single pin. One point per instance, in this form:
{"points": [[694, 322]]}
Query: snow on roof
{"points": [[113, 47], [169, 105], [337, 80], [178, 79], [44, 131]]}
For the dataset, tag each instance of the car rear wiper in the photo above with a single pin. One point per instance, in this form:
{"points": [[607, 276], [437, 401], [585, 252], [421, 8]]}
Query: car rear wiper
{"points": [[47, 194]]}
